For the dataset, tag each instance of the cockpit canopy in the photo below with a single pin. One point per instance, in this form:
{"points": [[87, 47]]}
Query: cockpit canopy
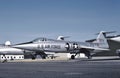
{"points": [[41, 39]]}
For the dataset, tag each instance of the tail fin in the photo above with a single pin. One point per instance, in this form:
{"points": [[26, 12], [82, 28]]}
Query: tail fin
{"points": [[101, 40]]}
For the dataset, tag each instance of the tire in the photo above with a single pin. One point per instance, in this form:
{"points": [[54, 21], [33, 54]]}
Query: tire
{"points": [[72, 57], [119, 54], [89, 57], [33, 57], [43, 57]]}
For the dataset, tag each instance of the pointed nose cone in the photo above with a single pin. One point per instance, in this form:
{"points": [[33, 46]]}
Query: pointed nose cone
{"points": [[21, 46], [25, 46]]}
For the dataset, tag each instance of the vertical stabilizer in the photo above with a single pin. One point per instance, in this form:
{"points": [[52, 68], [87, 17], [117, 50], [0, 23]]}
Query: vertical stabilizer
{"points": [[101, 40]]}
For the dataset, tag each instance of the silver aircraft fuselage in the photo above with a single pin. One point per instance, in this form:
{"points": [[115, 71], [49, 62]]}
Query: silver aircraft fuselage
{"points": [[58, 46]]}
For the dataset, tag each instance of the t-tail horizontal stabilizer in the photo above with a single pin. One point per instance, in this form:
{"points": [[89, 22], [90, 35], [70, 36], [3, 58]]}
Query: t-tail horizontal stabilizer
{"points": [[62, 37]]}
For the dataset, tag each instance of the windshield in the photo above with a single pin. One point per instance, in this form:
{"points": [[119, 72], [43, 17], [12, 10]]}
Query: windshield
{"points": [[42, 39], [39, 40]]}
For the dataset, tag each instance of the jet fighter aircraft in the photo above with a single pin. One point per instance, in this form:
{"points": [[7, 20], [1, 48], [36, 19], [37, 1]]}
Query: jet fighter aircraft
{"points": [[42, 45]]}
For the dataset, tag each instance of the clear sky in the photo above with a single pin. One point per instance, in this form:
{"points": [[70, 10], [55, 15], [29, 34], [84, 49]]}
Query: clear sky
{"points": [[24, 20]]}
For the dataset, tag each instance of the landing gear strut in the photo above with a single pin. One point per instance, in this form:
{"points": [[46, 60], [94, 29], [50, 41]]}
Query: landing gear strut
{"points": [[88, 55], [43, 56], [33, 57], [73, 56]]}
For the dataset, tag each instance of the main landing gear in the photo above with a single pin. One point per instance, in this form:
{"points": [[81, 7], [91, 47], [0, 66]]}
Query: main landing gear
{"points": [[86, 52], [72, 56]]}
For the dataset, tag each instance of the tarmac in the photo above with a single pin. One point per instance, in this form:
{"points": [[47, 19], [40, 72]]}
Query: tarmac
{"points": [[98, 67]]}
